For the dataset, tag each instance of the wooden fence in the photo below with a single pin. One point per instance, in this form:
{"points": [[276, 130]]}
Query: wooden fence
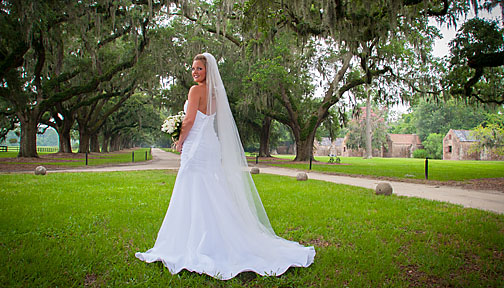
{"points": [[48, 149]]}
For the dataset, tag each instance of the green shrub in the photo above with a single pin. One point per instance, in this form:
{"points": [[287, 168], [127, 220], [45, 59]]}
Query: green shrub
{"points": [[420, 153], [434, 146]]}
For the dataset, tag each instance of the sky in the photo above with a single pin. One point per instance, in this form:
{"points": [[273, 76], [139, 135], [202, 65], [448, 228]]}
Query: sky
{"points": [[441, 47]]}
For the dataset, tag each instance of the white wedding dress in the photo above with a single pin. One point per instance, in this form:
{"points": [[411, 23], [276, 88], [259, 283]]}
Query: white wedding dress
{"points": [[203, 230]]}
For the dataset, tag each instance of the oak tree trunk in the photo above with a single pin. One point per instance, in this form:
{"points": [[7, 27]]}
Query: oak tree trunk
{"points": [[64, 127], [105, 143], [28, 142], [115, 143], [369, 148], [83, 140], [264, 138], [95, 145], [65, 142], [304, 147]]}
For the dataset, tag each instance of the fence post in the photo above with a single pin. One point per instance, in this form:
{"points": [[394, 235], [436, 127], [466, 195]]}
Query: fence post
{"points": [[426, 168], [145, 155], [311, 159], [86, 158], [133, 156], [257, 158]]}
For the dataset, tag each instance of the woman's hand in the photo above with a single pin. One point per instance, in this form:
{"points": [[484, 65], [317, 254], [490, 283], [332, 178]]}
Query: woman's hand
{"points": [[178, 146]]}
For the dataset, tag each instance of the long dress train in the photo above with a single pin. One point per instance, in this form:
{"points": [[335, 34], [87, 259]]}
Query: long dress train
{"points": [[203, 230]]}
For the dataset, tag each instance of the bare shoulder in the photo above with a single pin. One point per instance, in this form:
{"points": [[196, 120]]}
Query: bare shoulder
{"points": [[197, 89]]}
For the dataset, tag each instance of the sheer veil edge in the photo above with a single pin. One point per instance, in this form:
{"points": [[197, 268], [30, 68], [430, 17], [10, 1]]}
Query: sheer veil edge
{"points": [[234, 163]]}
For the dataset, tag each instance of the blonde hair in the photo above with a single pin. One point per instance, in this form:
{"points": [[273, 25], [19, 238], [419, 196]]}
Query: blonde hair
{"points": [[200, 57]]}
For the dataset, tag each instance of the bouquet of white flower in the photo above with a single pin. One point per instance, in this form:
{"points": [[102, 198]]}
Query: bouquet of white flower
{"points": [[173, 124]]}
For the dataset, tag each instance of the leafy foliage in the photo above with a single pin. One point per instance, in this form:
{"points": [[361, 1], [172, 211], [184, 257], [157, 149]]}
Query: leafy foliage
{"points": [[490, 135], [434, 145], [439, 117], [357, 130], [420, 153], [477, 62], [56, 51], [404, 125]]}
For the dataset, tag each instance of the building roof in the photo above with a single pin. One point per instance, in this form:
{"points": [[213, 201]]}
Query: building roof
{"points": [[325, 141], [464, 135], [338, 141], [405, 139]]}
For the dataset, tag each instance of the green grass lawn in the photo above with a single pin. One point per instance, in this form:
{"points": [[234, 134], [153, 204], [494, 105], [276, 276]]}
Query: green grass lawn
{"points": [[442, 170], [13, 154], [93, 158], [82, 229], [170, 150]]}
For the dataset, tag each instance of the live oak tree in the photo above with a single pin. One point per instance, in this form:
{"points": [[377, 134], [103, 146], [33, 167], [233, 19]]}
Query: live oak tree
{"points": [[135, 122], [53, 51], [361, 33], [476, 71], [240, 51]]}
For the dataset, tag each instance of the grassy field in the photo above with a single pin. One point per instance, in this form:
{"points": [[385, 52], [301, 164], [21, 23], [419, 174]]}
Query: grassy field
{"points": [[13, 154], [82, 229], [170, 150], [441, 170], [76, 160]]}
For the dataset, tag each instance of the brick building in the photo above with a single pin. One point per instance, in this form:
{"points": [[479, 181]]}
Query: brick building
{"points": [[457, 146], [402, 145], [399, 146]]}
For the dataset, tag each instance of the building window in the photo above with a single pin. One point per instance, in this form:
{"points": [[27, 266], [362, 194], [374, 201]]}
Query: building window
{"points": [[449, 149], [449, 138]]}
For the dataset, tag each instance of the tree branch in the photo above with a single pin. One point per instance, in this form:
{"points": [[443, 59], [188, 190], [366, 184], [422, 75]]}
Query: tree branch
{"points": [[210, 29], [412, 85], [443, 11], [468, 86], [38, 46], [278, 117], [299, 26], [339, 76], [114, 36], [13, 59], [99, 123], [486, 60], [93, 83], [293, 114], [104, 96], [360, 81]]}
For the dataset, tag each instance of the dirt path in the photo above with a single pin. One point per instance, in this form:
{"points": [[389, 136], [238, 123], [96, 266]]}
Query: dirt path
{"points": [[481, 199], [491, 200]]}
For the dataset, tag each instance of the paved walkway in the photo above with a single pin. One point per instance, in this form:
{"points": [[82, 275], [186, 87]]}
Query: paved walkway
{"points": [[484, 199], [161, 160]]}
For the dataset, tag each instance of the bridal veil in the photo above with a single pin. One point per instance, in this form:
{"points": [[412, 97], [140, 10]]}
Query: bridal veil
{"points": [[234, 163]]}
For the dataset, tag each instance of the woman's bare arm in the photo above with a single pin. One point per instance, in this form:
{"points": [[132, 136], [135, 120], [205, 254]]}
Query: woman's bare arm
{"points": [[195, 94]]}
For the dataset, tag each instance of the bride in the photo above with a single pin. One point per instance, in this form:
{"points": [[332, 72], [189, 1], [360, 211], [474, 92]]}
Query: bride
{"points": [[216, 223]]}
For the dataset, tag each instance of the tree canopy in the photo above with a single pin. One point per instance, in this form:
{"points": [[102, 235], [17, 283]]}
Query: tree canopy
{"points": [[84, 65], [477, 62]]}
